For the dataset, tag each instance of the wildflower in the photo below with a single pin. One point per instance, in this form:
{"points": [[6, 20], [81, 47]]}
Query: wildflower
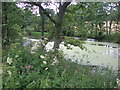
{"points": [[34, 48], [52, 50], [9, 60], [9, 72], [55, 58], [19, 51], [118, 81], [41, 56], [68, 45], [43, 43], [46, 39], [46, 68], [104, 84], [111, 84], [46, 55], [55, 61], [32, 52], [0, 72], [16, 56], [44, 62], [28, 67]]}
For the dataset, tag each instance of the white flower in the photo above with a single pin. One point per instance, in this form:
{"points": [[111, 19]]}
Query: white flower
{"points": [[41, 56], [118, 81], [46, 68], [44, 62], [55, 61], [0, 72], [46, 55], [52, 50], [34, 48], [68, 45], [55, 58], [16, 56], [46, 38], [19, 51], [32, 52], [9, 60], [9, 72]]}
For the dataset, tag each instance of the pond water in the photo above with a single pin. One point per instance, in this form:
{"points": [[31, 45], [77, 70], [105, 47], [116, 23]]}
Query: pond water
{"points": [[102, 54]]}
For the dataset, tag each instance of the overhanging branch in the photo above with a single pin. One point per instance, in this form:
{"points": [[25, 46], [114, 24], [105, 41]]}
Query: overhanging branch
{"points": [[65, 5], [44, 11]]}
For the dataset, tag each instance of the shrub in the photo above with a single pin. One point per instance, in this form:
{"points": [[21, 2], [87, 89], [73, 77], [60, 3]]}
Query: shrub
{"points": [[75, 42], [114, 37], [50, 70]]}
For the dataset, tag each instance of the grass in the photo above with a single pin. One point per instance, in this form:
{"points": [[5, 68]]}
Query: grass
{"points": [[38, 34]]}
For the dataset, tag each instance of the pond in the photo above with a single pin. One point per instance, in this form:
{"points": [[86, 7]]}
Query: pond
{"points": [[102, 54]]}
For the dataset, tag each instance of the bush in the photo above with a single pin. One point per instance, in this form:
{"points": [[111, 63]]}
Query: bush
{"points": [[50, 70], [114, 37], [75, 42]]}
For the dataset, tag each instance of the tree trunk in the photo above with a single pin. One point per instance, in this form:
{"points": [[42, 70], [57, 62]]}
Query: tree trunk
{"points": [[42, 23], [56, 42], [57, 38], [107, 28], [100, 26], [110, 24], [96, 32], [58, 23], [5, 34], [117, 26]]}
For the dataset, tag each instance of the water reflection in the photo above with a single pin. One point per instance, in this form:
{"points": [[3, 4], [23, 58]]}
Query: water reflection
{"points": [[111, 52], [91, 40]]}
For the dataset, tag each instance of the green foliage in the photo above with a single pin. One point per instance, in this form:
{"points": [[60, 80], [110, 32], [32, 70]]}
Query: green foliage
{"points": [[85, 20], [23, 69], [12, 23], [114, 37], [31, 21], [75, 42], [50, 70]]}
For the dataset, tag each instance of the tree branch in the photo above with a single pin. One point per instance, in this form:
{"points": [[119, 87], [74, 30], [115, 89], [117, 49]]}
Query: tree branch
{"points": [[64, 6], [44, 11], [62, 9]]}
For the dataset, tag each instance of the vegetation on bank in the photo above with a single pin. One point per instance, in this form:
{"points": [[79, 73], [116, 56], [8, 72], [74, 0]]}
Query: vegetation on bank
{"points": [[113, 38], [50, 70]]}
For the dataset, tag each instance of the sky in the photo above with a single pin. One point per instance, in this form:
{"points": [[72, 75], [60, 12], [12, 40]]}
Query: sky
{"points": [[53, 6], [36, 9]]}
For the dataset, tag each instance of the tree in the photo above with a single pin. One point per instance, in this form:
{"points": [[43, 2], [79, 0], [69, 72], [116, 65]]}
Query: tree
{"points": [[58, 22], [43, 21], [11, 23]]}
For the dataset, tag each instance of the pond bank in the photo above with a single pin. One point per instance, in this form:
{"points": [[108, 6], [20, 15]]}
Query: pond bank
{"points": [[98, 54]]}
